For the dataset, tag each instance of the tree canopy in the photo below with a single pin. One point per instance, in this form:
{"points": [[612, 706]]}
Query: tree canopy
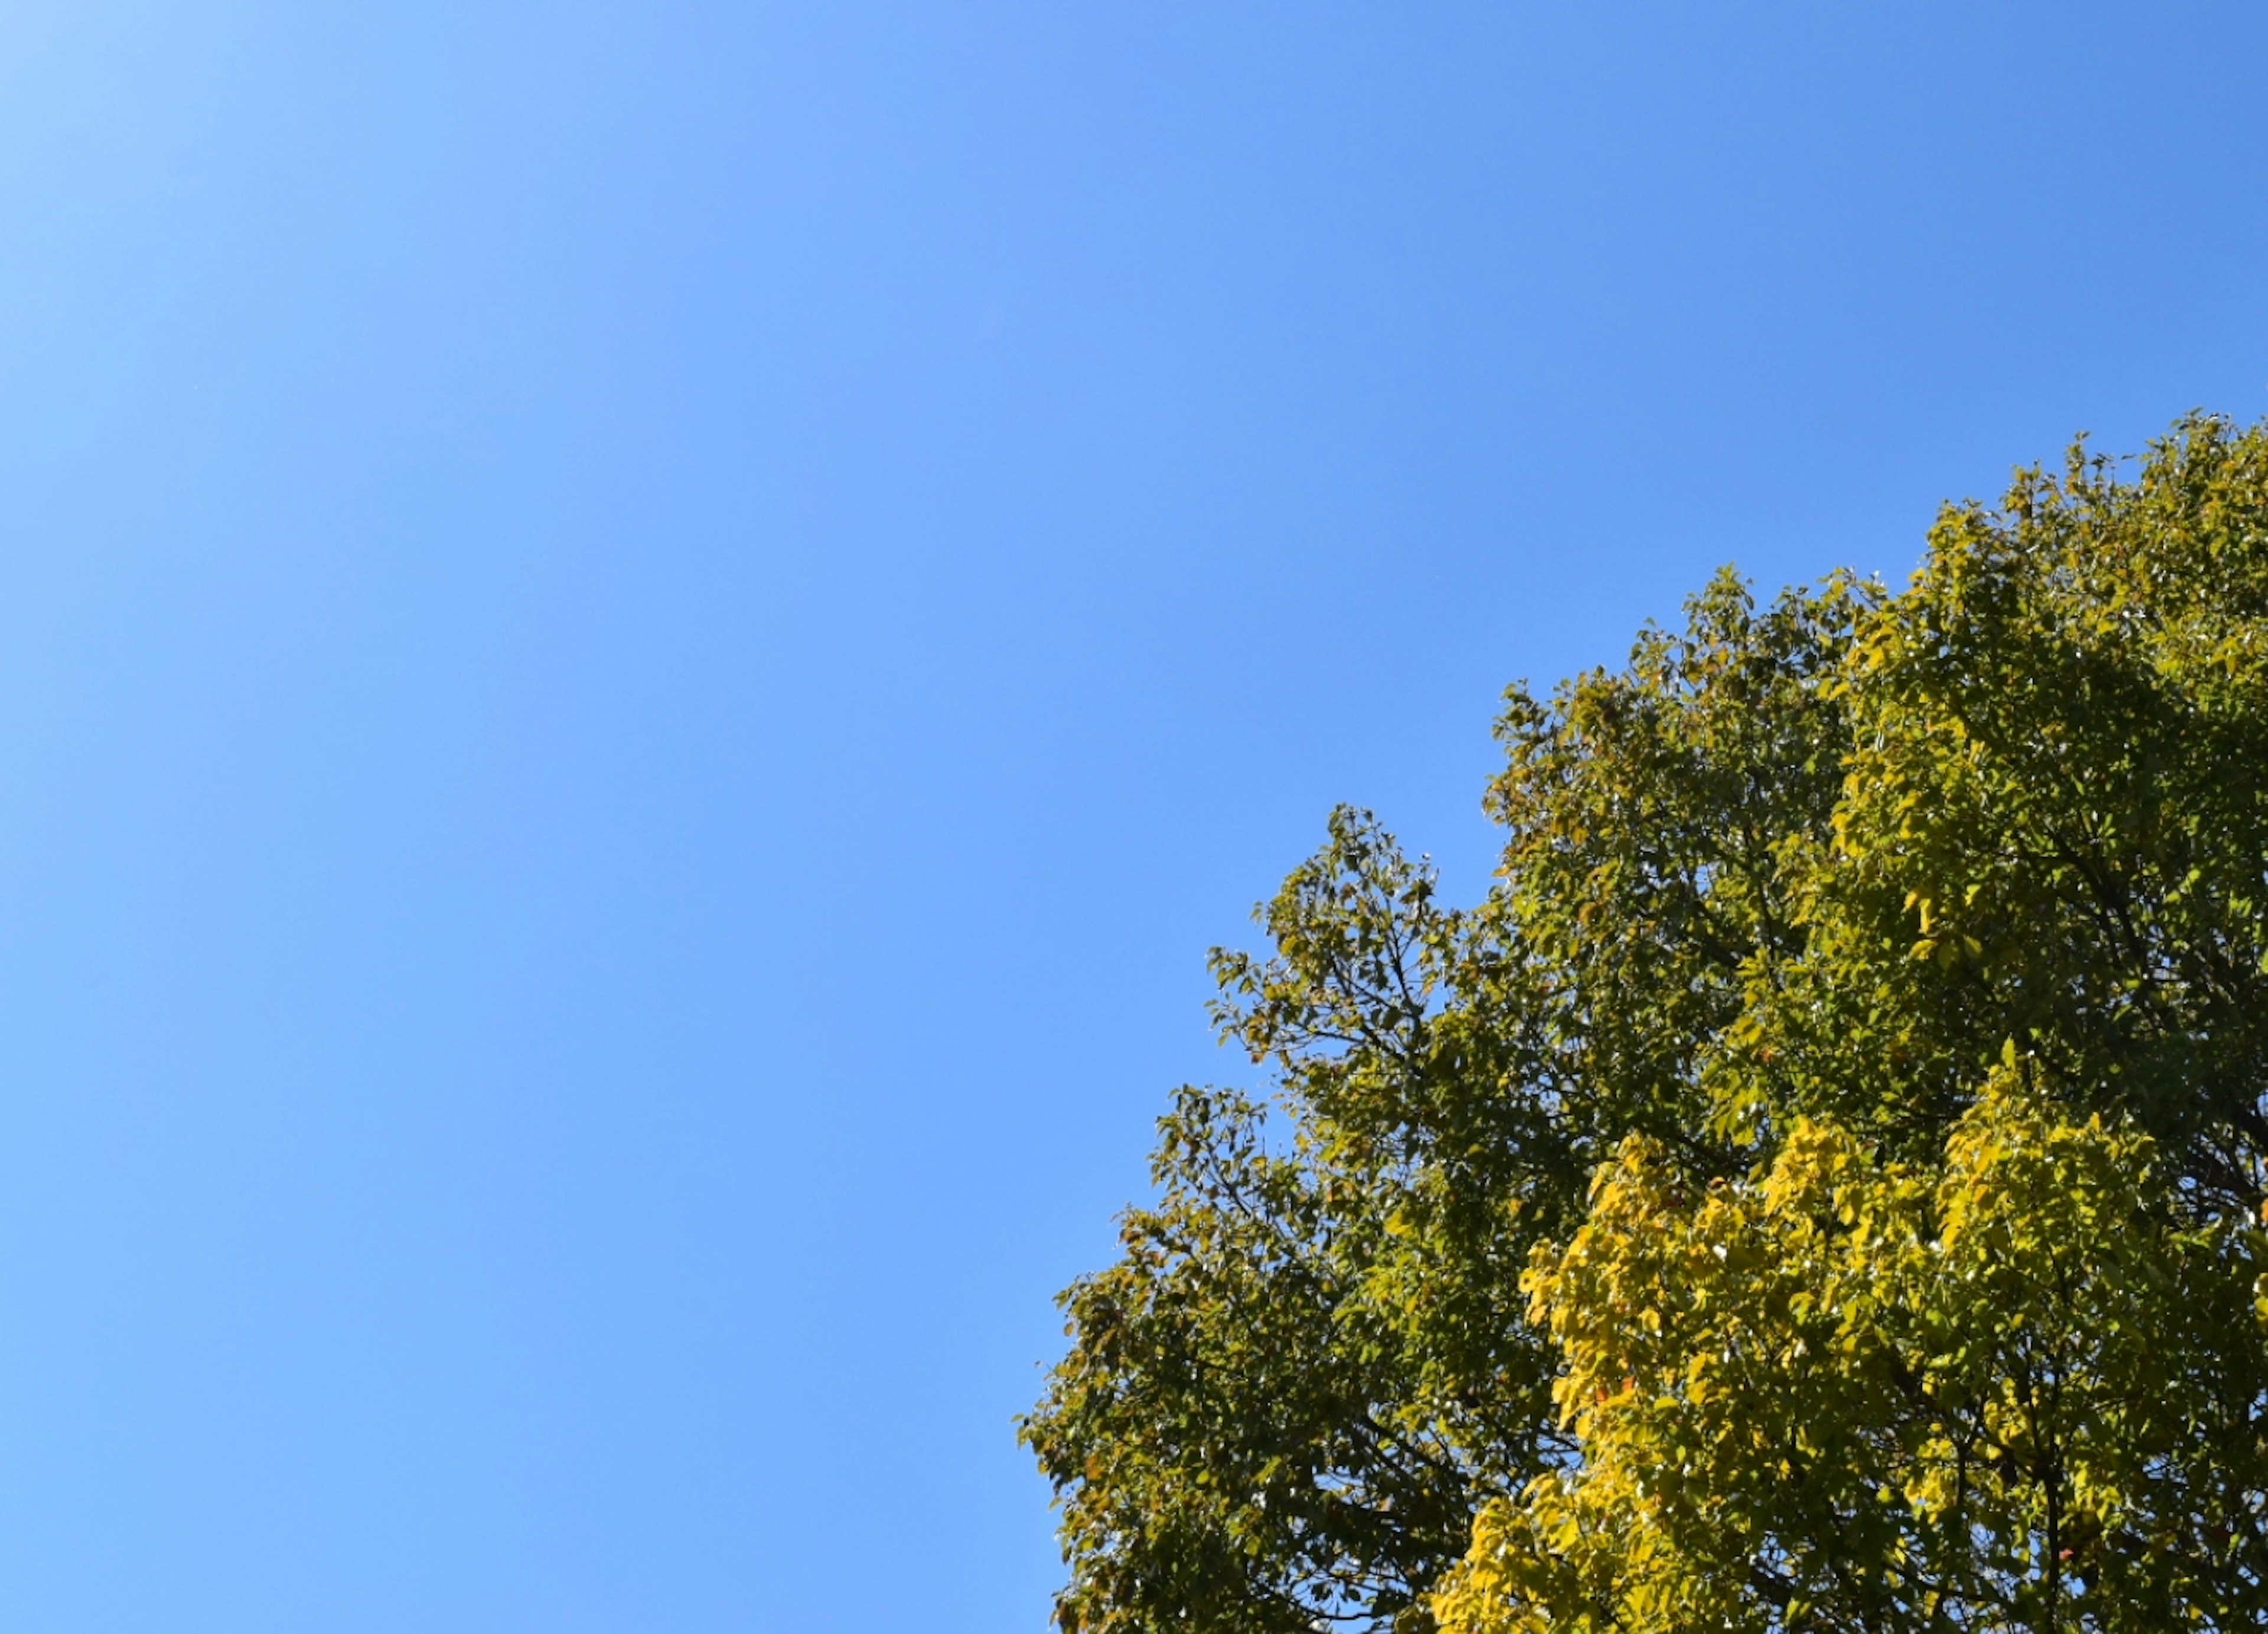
{"points": [[1819, 1187]]}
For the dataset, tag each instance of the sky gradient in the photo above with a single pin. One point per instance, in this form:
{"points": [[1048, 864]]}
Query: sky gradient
{"points": [[641, 645]]}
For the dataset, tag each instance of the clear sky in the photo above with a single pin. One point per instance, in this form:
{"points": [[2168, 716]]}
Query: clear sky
{"points": [[641, 645]]}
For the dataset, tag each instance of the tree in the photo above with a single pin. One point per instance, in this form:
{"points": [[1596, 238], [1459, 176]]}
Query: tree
{"points": [[1818, 1187]]}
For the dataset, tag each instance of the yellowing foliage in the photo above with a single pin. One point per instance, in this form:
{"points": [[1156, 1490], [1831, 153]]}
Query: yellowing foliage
{"points": [[2013, 1390]]}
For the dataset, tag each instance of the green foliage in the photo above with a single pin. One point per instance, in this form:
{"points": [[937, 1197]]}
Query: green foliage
{"points": [[1817, 1188]]}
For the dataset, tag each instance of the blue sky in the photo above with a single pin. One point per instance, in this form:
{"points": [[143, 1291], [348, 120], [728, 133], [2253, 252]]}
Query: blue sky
{"points": [[641, 645]]}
